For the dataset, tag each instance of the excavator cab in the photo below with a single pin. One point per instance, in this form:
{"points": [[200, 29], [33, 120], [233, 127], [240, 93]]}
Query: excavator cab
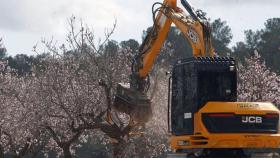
{"points": [[205, 117], [196, 81]]}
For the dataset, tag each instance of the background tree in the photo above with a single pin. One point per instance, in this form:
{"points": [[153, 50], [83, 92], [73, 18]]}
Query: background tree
{"points": [[243, 50], [265, 41], [132, 44], [22, 63], [269, 43], [257, 82], [2, 50], [221, 37]]}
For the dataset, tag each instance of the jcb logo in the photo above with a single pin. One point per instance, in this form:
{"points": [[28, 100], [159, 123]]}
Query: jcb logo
{"points": [[193, 35], [251, 119]]}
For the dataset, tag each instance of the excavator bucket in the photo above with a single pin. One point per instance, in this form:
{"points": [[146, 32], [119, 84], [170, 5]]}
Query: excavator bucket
{"points": [[133, 103]]}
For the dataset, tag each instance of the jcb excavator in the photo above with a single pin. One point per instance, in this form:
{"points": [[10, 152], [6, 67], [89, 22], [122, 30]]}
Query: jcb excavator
{"points": [[204, 117]]}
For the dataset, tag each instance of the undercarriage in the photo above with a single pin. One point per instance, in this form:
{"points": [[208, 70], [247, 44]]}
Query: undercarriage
{"points": [[226, 153]]}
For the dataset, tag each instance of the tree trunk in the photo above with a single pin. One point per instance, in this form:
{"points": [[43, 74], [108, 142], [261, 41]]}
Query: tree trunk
{"points": [[1, 152], [66, 151], [118, 149]]}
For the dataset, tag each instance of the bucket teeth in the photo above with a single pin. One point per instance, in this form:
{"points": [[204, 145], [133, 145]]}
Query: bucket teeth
{"points": [[133, 103]]}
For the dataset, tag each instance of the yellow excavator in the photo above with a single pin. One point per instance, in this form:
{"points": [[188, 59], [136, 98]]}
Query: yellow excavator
{"points": [[204, 117]]}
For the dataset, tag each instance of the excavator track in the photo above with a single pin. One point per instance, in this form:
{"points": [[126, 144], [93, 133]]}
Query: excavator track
{"points": [[224, 153]]}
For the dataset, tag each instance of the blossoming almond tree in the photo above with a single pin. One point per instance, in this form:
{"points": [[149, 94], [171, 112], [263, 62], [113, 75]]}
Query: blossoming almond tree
{"points": [[257, 82], [77, 85], [21, 134]]}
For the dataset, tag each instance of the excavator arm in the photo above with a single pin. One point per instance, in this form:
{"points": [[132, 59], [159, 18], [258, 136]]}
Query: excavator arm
{"points": [[196, 31], [131, 98]]}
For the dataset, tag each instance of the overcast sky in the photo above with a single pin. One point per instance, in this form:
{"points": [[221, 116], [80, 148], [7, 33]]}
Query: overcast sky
{"points": [[23, 23]]}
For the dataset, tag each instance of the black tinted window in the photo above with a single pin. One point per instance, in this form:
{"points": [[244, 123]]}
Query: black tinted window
{"points": [[216, 86]]}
